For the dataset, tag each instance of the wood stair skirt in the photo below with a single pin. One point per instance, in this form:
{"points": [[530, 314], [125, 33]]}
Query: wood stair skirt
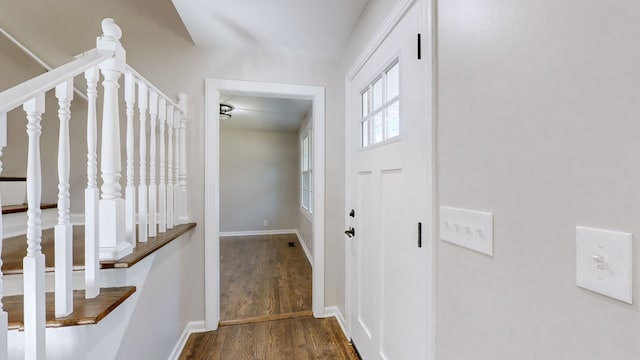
{"points": [[86, 311]]}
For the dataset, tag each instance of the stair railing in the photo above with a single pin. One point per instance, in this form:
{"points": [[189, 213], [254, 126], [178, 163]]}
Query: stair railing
{"points": [[110, 219]]}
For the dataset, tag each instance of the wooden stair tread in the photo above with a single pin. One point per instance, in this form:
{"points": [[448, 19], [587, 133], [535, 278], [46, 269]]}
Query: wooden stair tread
{"points": [[145, 249], [86, 311], [12, 209], [15, 248]]}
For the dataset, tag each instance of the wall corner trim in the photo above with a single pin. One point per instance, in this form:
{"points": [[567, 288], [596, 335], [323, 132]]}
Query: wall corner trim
{"points": [[192, 327]]}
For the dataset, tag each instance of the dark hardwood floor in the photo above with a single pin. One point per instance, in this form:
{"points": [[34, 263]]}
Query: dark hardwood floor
{"points": [[266, 306], [263, 275], [299, 338]]}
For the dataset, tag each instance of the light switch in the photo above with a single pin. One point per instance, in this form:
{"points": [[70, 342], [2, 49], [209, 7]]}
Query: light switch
{"points": [[468, 228], [604, 262]]}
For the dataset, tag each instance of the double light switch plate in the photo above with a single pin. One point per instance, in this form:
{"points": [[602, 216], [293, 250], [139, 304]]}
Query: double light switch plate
{"points": [[604, 262]]}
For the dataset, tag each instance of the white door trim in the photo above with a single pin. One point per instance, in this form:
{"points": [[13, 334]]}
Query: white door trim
{"points": [[428, 55], [212, 189]]}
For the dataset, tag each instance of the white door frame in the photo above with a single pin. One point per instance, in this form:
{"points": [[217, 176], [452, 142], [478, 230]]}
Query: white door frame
{"points": [[212, 185], [428, 55]]}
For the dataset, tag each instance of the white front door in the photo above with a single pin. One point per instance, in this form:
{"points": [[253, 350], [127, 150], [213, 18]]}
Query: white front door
{"points": [[386, 152]]}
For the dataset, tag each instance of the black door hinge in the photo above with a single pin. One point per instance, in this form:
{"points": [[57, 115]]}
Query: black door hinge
{"points": [[419, 47], [419, 234]]}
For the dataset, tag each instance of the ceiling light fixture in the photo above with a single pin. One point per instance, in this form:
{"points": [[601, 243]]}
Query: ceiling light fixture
{"points": [[225, 111]]}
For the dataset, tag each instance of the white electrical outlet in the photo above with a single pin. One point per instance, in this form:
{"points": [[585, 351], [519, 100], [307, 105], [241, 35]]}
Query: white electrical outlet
{"points": [[467, 228], [604, 262], [266, 223]]}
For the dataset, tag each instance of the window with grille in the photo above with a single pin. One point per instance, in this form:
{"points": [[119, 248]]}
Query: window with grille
{"points": [[306, 172], [380, 108]]}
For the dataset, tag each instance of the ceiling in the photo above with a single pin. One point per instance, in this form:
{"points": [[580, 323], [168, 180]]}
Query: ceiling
{"points": [[298, 27], [264, 114]]}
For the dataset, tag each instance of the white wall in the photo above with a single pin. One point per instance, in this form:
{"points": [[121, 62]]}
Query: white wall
{"points": [[258, 178], [162, 307], [538, 123]]}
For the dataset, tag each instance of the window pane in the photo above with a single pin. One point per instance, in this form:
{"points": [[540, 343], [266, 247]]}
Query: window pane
{"points": [[393, 119], [377, 94], [305, 189], [365, 104], [305, 153], [310, 208], [377, 127], [305, 200], [393, 81], [365, 133]]}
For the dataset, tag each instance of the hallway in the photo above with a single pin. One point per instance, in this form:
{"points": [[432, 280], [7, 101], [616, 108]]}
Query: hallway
{"points": [[266, 306]]}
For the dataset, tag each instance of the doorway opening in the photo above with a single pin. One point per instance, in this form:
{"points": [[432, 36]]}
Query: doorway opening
{"points": [[216, 92]]}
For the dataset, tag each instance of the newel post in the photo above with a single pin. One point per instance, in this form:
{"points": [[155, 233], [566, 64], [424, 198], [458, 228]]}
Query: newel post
{"points": [[113, 241]]}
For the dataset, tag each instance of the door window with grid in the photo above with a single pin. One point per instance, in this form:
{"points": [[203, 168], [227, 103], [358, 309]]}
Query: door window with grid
{"points": [[380, 108]]}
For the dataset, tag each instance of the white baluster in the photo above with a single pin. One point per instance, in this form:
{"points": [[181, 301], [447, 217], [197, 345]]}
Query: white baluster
{"points": [[33, 263], [162, 188], [130, 190], [153, 187], [143, 97], [113, 242], [4, 318], [176, 169], [64, 229], [91, 193], [170, 169], [184, 218]]}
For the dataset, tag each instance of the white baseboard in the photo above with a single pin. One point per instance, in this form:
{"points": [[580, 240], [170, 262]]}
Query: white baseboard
{"points": [[305, 248], [334, 311], [192, 327], [260, 232]]}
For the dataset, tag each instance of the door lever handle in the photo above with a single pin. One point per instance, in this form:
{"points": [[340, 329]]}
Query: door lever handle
{"points": [[351, 232]]}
